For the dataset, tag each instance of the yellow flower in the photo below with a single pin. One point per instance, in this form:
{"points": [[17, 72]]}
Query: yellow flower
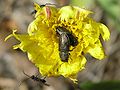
{"points": [[42, 45]]}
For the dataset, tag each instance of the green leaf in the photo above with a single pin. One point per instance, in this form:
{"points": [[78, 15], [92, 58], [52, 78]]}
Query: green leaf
{"points": [[105, 85]]}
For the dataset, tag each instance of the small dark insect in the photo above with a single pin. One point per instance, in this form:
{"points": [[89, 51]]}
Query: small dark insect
{"points": [[34, 11], [43, 5], [35, 78], [66, 39]]}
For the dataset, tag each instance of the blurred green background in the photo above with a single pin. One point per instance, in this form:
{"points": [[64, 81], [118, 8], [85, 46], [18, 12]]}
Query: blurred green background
{"points": [[98, 75]]}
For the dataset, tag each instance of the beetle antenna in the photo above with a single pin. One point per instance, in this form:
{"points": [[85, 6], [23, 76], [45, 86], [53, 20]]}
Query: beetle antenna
{"points": [[26, 74]]}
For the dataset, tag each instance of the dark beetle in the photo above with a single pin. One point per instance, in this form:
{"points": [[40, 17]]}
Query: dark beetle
{"points": [[66, 39]]}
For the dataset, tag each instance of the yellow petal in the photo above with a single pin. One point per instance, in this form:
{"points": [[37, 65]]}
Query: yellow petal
{"points": [[104, 31], [68, 12], [96, 50], [71, 69]]}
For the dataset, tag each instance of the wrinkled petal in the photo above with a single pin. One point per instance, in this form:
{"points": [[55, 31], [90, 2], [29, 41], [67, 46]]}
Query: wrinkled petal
{"points": [[96, 50], [104, 32], [68, 12], [70, 69]]}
